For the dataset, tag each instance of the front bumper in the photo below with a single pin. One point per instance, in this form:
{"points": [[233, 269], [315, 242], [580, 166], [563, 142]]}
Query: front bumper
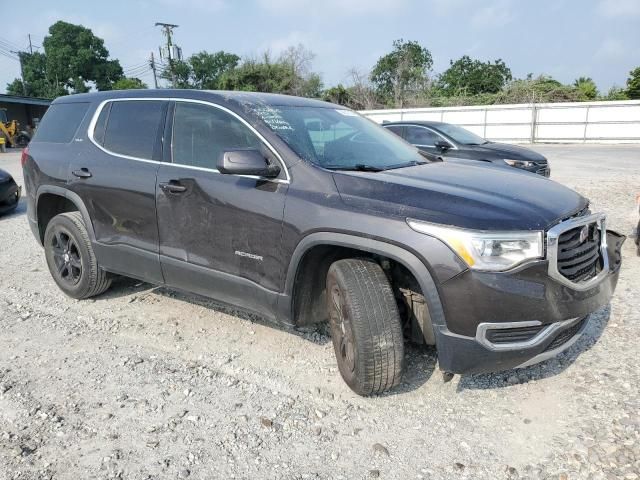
{"points": [[476, 303]]}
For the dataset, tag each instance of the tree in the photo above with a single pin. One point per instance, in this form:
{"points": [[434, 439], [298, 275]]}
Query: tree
{"points": [[202, 70], [127, 83], [260, 76], [536, 90], [587, 87], [338, 94], [466, 76], [75, 56], [402, 71], [179, 74], [305, 82], [616, 93], [633, 84], [208, 68], [362, 95], [267, 75], [36, 81]]}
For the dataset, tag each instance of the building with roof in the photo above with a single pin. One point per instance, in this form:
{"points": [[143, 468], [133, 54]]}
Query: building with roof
{"points": [[26, 110]]}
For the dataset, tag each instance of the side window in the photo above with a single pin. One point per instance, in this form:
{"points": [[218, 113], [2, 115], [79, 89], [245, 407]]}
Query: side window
{"points": [[61, 122], [421, 136], [101, 124], [397, 129], [201, 134], [132, 127]]}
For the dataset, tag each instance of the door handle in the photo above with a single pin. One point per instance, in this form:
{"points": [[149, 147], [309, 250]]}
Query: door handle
{"points": [[82, 173], [172, 187]]}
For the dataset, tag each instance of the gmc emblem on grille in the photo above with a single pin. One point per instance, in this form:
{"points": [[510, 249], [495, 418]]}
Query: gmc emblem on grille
{"points": [[584, 234]]}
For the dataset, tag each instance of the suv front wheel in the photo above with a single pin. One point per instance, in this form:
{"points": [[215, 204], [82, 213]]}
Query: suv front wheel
{"points": [[70, 257], [365, 326]]}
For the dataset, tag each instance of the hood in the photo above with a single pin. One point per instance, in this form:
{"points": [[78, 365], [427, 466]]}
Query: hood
{"points": [[503, 150], [465, 196]]}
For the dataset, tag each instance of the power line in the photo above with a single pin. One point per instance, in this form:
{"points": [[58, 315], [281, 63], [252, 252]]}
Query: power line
{"points": [[9, 44], [133, 67], [9, 54]]}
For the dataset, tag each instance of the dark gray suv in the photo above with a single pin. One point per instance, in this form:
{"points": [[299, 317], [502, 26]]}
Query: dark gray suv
{"points": [[305, 212]]}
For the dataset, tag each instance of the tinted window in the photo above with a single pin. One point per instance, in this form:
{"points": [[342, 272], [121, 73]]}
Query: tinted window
{"points": [[397, 129], [461, 135], [421, 136], [133, 127], [61, 122], [201, 134], [101, 124]]}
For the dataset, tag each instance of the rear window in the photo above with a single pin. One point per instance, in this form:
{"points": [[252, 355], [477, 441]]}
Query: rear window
{"points": [[132, 127], [61, 122]]}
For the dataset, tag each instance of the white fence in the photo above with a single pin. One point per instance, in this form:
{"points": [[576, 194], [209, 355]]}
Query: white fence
{"points": [[584, 122]]}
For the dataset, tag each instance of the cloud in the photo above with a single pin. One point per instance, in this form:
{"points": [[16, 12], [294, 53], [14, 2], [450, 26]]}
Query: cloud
{"points": [[493, 15], [332, 8], [610, 50], [619, 8]]}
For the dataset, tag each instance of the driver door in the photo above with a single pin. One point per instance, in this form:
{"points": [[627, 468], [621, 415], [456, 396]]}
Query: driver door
{"points": [[219, 234]]}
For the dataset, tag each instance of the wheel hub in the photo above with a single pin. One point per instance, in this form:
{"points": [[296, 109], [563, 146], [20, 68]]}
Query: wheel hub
{"points": [[66, 258], [342, 329]]}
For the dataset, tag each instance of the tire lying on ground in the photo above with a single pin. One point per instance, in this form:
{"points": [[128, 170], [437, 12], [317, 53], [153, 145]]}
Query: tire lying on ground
{"points": [[70, 257], [365, 326]]}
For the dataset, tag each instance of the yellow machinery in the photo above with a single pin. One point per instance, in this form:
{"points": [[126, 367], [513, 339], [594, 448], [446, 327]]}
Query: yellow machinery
{"points": [[10, 132]]}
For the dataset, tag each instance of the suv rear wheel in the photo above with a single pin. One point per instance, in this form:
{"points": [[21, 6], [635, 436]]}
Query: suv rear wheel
{"points": [[70, 257], [365, 326]]}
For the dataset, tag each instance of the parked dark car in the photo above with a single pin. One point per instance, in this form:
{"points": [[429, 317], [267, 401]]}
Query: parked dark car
{"points": [[451, 141], [9, 193], [305, 212]]}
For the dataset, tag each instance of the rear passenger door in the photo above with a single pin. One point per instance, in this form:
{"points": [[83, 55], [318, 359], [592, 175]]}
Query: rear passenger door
{"points": [[115, 177], [220, 235]]}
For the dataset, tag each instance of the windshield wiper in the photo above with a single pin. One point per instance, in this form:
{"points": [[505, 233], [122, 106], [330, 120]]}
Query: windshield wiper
{"points": [[360, 167], [412, 163]]}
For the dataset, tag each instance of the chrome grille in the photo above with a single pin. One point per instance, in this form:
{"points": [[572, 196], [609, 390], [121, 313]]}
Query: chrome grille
{"points": [[577, 251]]}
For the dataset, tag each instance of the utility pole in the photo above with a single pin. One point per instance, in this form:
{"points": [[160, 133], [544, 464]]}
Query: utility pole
{"points": [[171, 52], [30, 45], [152, 62]]}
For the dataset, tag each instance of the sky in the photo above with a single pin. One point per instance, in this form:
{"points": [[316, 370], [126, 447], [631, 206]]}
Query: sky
{"points": [[562, 38]]}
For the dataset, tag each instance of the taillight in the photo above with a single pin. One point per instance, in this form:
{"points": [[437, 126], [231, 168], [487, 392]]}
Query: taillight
{"points": [[25, 155]]}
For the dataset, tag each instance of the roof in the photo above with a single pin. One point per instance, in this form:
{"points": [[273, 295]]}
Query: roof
{"points": [[239, 98], [24, 100], [426, 123]]}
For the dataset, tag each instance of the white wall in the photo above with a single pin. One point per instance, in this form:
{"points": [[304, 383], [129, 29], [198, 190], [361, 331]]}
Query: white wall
{"points": [[588, 122]]}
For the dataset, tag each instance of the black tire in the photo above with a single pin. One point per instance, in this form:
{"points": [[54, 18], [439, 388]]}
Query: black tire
{"points": [[70, 257], [365, 326]]}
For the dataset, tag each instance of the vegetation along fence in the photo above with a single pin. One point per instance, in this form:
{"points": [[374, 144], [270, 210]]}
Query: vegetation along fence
{"points": [[584, 122]]}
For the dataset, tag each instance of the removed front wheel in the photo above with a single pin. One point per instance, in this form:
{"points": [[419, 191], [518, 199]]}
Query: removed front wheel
{"points": [[70, 257], [365, 326]]}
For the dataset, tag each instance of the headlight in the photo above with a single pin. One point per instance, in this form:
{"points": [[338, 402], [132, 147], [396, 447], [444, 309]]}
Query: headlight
{"points": [[519, 163], [481, 250]]}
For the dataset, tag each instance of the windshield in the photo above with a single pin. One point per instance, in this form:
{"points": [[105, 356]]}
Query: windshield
{"points": [[461, 135], [338, 139]]}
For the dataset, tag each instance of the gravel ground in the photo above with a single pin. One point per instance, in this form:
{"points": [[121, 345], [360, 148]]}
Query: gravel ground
{"points": [[144, 382]]}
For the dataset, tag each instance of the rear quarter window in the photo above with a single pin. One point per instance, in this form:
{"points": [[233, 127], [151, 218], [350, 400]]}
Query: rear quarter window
{"points": [[132, 127], [61, 122]]}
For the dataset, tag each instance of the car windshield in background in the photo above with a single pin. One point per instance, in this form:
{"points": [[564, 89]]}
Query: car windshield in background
{"points": [[338, 139], [461, 135]]}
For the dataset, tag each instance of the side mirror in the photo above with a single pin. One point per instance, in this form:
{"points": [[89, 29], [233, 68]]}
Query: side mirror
{"points": [[246, 162], [442, 145]]}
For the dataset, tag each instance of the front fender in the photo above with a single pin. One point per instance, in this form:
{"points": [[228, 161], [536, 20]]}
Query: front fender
{"points": [[401, 255]]}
